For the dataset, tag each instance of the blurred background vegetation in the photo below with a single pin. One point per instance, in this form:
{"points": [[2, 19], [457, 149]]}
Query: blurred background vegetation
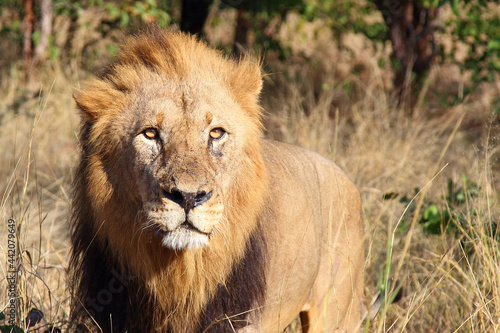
{"points": [[62, 33], [403, 95]]}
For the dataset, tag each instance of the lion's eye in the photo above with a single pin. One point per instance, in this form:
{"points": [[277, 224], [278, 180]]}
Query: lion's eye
{"points": [[150, 133], [217, 133]]}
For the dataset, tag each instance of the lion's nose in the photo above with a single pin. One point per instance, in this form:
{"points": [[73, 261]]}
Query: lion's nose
{"points": [[187, 200]]}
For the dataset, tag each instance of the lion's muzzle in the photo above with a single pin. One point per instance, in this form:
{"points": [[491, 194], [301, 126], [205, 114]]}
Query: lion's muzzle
{"points": [[186, 218]]}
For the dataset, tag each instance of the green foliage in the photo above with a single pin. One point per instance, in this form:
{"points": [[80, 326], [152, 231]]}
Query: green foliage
{"points": [[454, 215], [472, 24], [261, 13], [448, 216], [10, 21], [147, 11], [495, 109], [122, 12], [266, 8], [347, 16], [478, 27], [9, 328], [113, 16]]}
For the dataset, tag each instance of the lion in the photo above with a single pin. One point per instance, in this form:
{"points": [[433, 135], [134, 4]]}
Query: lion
{"points": [[185, 219]]}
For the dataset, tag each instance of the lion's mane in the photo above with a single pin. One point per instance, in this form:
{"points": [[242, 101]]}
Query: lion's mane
{"points": [[121, 278]]}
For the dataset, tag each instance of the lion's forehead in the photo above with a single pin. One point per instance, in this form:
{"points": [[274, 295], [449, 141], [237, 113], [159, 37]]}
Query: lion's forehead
{"points": [[193, 98]]}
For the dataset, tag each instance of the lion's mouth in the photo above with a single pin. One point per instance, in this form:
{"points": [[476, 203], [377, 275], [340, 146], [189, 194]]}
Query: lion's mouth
{"points": [[185, 236], [160, 231]]}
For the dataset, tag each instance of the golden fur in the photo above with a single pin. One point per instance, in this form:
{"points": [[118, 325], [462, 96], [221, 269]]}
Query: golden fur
{"points": [[174, 262]]}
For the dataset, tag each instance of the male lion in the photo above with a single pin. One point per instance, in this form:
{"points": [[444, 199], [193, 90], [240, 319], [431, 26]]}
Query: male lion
{"points": [[186, 220]]}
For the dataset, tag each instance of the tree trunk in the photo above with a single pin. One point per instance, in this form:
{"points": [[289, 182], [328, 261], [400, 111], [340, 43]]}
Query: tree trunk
{"points": [[29, 18], [47, 13], [194, 14], [411, 31], [243, 24]]}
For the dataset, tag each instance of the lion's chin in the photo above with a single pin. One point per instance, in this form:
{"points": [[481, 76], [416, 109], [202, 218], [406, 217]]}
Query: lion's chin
{"points": [[184, 239]]}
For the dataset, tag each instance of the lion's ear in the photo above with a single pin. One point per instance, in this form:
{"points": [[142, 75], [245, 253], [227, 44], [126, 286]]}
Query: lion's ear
{"points": [[248, 77], [97, 99], [84, 105]]}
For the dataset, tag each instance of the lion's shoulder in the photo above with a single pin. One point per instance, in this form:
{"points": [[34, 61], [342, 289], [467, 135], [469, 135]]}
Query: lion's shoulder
{"points": [[297, 159], [306, 173]]}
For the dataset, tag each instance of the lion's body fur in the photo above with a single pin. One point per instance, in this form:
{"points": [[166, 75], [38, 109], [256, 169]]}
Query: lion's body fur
{"points": [[284, 224]]}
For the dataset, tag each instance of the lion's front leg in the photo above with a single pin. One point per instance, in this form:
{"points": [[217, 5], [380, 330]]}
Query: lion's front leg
{"points": [[250, 329], [254, 325]]}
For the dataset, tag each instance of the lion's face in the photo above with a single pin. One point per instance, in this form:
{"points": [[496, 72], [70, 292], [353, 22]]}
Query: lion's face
{"points": [[182, 145], [171, 139]]}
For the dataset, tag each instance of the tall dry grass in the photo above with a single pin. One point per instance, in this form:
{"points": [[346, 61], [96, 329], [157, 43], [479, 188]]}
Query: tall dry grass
{"points": [[451, 281], [37, 125]]}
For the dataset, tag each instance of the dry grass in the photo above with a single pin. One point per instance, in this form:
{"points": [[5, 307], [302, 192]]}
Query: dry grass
{"points": [[349, 118], [38, 150]]}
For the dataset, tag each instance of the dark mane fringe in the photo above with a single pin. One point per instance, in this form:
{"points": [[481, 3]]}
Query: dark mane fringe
{"points": [[102, 292], [133, 309], [244, 290]]}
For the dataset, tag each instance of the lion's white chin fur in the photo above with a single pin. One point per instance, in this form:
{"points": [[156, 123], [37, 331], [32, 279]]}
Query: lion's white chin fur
{"points": [[184, 239]]}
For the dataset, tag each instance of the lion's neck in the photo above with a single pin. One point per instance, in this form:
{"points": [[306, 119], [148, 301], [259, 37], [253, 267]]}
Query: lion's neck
{"points": [[209, 283]]}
